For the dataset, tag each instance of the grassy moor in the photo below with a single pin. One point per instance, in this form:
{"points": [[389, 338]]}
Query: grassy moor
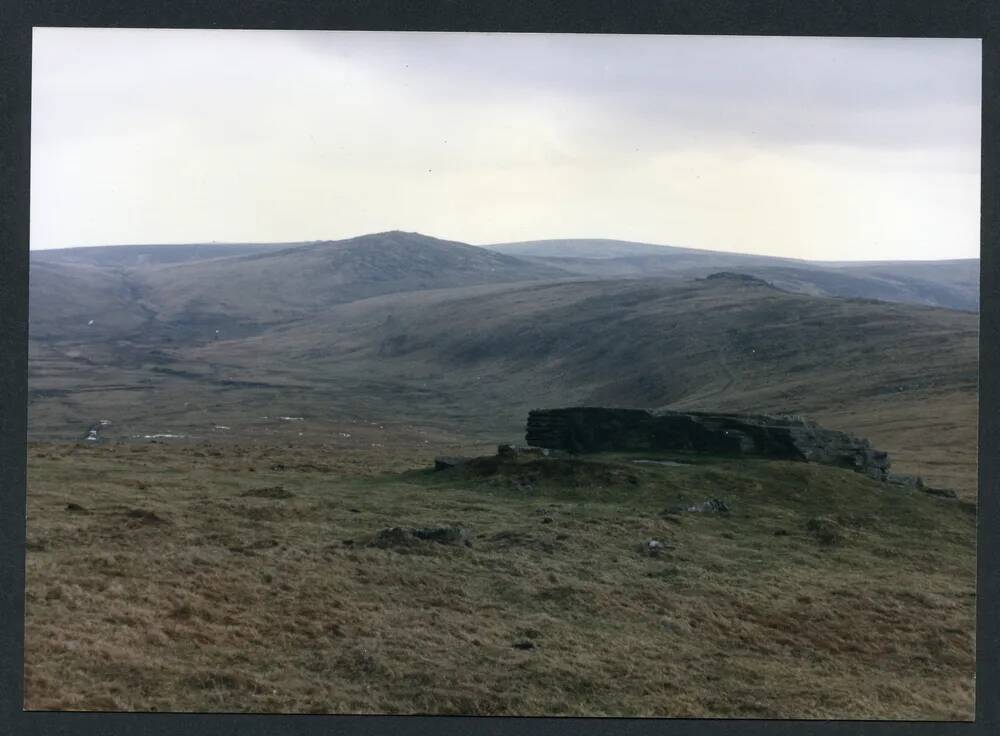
{"points": [[233, 503]]}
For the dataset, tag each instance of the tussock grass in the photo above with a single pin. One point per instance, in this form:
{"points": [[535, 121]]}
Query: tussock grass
{"points": [[235, 602]]}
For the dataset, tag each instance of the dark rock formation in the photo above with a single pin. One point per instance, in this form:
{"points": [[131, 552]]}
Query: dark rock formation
{"points": [[595, 429], [403, 536], [443, 462]]}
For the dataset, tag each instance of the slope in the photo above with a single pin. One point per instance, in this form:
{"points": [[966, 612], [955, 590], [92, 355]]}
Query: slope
{"points": [[478, 359], [953, 284]]}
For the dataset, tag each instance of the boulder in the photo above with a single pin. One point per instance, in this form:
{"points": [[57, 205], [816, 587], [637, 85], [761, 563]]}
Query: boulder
{"points": [[443, 462], [599, 429], [653, 547]]}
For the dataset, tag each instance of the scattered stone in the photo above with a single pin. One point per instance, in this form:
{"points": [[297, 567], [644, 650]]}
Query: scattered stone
{"points": [[547, 519], [35, 545], [75, 508], [395, 536], [524, 645], [268, 492], [712, 505], [506, 452], [444, 462], [146, 517], [512, 452], [277, 466], [654, 547], [399, 536], [598, 429]]}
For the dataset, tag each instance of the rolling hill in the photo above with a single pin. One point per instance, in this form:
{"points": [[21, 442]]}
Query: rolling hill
{"points": [[126, 256], [471, 360], [194, 291], [952, 283], [209, 429]]}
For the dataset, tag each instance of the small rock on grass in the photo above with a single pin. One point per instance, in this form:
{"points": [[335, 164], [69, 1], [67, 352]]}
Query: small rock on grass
{"points": [[268, 492], [400, 536], [711, 505], [654, 547]]}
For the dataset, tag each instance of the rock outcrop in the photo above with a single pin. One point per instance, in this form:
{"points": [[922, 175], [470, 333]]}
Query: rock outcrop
{"points": [[596, 429]]}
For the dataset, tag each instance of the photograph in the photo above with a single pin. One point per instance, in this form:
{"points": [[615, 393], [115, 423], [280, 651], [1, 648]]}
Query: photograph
{"points": [[503, 374]]}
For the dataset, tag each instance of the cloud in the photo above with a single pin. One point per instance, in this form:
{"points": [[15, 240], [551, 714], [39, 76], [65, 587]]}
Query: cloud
{"points": [[833, 147]]}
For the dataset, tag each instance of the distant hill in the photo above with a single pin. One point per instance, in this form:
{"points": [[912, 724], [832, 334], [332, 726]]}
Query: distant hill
{"points": [[199, 289], [122, 256], [481, 357], [953, 284], [601, 248], [406, 328]]}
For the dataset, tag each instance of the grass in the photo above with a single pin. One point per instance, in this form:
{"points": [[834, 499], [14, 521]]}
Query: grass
{"points": [[184, 581]]}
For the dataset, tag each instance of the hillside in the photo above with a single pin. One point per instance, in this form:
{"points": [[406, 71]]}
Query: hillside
{"points": [[130, 256], [472, 362], [243, 294], [85, 301], [953, 284], [262, 426], [820, 594]]}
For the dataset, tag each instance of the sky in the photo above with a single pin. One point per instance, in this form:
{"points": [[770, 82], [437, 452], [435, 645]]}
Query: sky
{"points": [[818, 148]]}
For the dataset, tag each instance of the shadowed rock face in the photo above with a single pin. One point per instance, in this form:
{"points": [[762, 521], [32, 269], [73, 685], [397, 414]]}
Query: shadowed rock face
{"points": [[597, 429]]}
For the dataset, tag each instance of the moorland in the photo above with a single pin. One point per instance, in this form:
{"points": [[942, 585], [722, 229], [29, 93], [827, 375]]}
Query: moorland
{"points": [[219, 433]]}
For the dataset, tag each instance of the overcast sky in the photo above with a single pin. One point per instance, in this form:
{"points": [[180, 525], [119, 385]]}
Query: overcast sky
{"points": [[812, 148]]}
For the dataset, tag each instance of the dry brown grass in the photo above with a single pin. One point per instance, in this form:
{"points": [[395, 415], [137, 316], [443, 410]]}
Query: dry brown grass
{"points": [[170, 589]]}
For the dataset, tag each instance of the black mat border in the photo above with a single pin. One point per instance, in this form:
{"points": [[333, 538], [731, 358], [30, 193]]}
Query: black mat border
{"points": [[945, 18]]}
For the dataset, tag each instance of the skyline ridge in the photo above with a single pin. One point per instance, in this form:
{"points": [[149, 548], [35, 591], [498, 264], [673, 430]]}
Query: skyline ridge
{"points": [[536, 241]]}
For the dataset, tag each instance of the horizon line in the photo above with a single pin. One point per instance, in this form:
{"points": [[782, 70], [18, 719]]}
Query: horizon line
{"points": [[500, 243]]}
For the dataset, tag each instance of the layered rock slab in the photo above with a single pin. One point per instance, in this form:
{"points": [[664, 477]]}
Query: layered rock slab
{"points": [[599, 429]]}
